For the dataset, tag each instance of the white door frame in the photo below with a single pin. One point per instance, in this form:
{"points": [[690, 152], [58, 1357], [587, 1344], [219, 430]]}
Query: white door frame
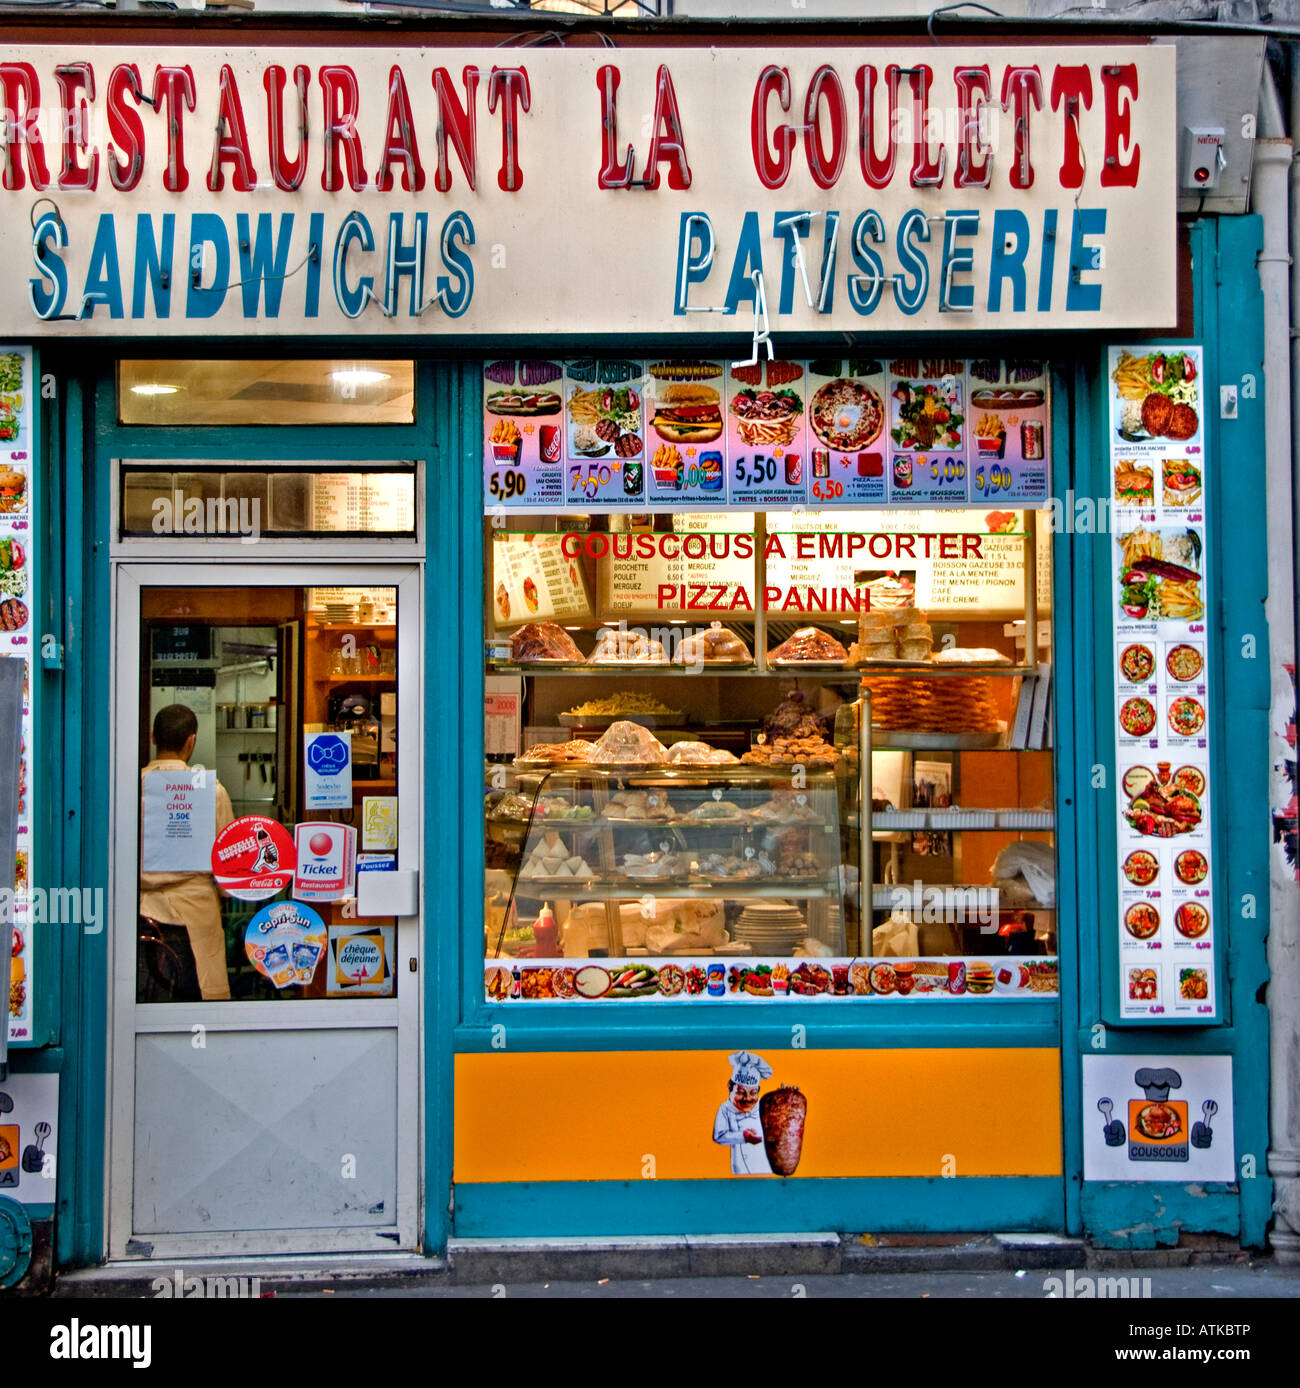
{"points": [[127, 1018]]}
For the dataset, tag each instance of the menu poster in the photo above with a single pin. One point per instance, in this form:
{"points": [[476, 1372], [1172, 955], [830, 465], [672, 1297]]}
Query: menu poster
{"points": [[604, 433], [686, 456], [846, 416], [1008, 431], [533, 581], [766, 435], [523, 454], [608, 434], [928, 430], [16, 602], [359, 501], [1162, 701]]}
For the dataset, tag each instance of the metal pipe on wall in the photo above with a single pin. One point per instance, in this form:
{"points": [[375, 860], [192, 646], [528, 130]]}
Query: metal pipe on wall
{"points": [[1274, 166]]}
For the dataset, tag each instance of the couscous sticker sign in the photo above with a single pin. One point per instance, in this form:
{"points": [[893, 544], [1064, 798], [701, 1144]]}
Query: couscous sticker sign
{"points": [[1000, 187]]}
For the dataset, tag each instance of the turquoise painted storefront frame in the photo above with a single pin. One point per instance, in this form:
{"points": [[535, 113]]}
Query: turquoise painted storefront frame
{"points": [[457, 1019]]}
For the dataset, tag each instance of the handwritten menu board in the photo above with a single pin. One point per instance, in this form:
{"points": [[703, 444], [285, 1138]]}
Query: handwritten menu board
{"points": [[17, 390], [1161, 594], [603, 434], [532, 581]]}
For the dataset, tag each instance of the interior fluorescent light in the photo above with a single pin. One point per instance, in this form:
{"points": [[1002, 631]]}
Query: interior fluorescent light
{"points": [[358, 377], [152, 388]]}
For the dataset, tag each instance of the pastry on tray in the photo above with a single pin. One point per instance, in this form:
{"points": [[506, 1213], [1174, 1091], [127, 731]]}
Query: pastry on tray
{"points": [[617, 646], [699, 754], [543, 641], [810, 644], [716, 646], [628, 744]]}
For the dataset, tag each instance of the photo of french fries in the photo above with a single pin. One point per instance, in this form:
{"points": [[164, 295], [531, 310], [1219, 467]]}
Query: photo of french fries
{"points": [[505, 431]]}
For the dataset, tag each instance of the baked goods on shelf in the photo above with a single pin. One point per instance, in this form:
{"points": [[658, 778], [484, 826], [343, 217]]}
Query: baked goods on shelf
{"points": [[793, 718], [628, 744], [810, 644], [960, 704], [892, 628], [553, 858], [543, 641], [624, 704], [970, 655], [787, 751], [556, 753], [639, 805], [618, 646], [715, 646], [785, 807], [699, 754]]}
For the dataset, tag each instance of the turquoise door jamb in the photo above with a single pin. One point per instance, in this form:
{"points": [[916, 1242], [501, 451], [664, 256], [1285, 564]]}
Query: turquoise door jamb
{"points": [[1228, 322]]}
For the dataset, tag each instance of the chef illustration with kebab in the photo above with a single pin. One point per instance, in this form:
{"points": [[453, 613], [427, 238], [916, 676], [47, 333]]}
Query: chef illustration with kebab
{"points": [[738, 1124]]}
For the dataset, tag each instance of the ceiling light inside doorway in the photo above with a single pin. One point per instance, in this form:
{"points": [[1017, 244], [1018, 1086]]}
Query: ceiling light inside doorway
{"points": [[154, 388], [358, 377]]}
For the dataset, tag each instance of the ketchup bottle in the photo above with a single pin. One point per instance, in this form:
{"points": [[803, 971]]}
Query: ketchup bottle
{"points": [[546, 933]]}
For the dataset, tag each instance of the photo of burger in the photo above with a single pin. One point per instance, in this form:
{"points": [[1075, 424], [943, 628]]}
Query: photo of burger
{"points": [[686, 412], [979, 976], [13, 489]]}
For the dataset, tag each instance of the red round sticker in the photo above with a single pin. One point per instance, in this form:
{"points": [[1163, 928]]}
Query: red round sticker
{"points": [[253, 858]]}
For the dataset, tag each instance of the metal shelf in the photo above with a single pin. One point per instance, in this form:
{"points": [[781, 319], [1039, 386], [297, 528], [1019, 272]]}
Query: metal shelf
{"points": [[719, 890]]}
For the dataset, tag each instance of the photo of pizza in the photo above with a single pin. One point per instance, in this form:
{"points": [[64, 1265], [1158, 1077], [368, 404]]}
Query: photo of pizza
{"points": [[846, 415], [1184, 663], [1137, 717], [1137, 663], [1186, 716]]}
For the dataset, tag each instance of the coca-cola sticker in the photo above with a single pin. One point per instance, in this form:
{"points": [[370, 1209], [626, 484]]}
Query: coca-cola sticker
{"points": [[253, 858]]}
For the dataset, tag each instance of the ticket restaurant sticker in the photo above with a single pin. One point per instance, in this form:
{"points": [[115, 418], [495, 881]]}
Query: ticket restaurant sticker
{"points": [[847, 416], [603, 434], [523, 419], [766, 434], [1162, 700]]}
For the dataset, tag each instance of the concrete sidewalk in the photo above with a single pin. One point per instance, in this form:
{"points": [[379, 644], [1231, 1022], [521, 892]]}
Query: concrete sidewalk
{"points": [[813, 1259]]}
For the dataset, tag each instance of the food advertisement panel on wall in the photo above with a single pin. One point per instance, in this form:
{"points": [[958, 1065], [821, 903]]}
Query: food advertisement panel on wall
{"points": [[17, 602], [597, 435], [831, 189], [1161, 594]]}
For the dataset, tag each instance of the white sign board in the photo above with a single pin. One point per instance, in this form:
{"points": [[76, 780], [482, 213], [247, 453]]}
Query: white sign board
{"points": [[1158, 1118], [180, 820], [406, 192]]}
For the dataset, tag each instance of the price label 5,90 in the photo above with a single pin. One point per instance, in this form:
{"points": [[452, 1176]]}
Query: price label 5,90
{"points": [[505, 485], [990, 481]]}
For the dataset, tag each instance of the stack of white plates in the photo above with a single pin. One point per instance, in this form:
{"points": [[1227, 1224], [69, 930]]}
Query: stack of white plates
{"points": [[771, 928], [340, 611]]}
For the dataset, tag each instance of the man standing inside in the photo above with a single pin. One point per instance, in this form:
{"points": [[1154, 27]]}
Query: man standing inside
{"points": [[186, 905]]}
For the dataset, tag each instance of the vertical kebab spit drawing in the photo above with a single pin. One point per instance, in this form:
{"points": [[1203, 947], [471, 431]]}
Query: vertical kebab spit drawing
{"points": [[784, 1113]]}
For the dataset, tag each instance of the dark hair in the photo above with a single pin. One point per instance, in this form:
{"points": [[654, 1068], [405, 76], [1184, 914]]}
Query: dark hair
{"points": [[173, 726]]}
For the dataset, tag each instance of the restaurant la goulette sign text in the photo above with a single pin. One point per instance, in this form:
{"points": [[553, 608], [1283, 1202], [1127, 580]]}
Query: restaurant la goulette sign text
{"points": [[205, 189]]}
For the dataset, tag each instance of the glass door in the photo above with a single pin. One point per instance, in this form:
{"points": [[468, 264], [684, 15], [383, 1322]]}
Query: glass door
{"points": [[266, 908]]}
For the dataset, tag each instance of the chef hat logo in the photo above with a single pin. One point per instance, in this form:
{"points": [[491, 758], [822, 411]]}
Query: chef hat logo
{"points": [[748, 1069]]}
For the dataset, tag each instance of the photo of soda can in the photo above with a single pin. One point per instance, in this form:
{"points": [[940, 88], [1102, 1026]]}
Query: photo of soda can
{"points": [[793, 469], [717, 981], [711, 472], [821, 460], [956, 977], [549, 435], [902, 472], [1031, 440], [633, 476]]}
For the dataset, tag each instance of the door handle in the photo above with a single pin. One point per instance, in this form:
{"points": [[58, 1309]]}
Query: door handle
{"points": [[388, 893]]}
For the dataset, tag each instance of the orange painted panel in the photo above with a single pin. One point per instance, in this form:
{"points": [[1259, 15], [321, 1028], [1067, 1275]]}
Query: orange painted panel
{"points": [[622, 1116]]}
